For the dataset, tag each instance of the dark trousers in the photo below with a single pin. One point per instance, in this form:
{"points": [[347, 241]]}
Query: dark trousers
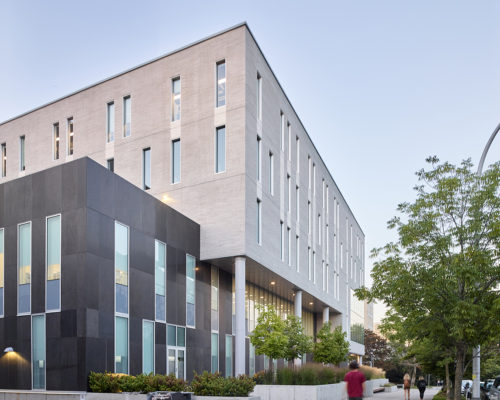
{"points": [[422, 392]]}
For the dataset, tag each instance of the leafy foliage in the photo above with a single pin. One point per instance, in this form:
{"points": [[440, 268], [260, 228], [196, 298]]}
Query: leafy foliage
{"points": [[439, 280], [208, 384], [115, 383], [298, 342], [332, 347]]}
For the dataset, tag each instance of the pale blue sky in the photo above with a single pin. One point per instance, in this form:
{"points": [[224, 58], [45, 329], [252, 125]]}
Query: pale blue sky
{"points": [[379, 85]]}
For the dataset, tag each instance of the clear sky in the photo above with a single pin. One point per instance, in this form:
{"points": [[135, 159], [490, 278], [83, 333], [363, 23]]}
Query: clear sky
{"points": [[378, 84]]}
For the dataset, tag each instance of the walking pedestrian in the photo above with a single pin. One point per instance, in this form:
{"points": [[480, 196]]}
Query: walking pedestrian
{"points": [[354, 382], [406, 386], [421, 385]]}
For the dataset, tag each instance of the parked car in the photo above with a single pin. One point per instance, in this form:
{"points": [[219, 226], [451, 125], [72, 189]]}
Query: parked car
{"points": [[494, 392]]}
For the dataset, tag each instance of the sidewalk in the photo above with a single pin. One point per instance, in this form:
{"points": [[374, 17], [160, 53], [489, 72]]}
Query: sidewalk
{"points": [[414, 394]]}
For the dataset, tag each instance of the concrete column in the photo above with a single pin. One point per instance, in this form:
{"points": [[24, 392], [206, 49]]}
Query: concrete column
{"points": [[298, 313], [326, 314], [476, 372], [298, 303], [239, 288]]}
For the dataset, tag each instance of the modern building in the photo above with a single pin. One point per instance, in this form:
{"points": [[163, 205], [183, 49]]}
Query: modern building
{"points": [[208, 131]]}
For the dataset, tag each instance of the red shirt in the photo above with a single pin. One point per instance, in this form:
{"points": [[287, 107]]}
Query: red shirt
{"points": [[354, 380]]}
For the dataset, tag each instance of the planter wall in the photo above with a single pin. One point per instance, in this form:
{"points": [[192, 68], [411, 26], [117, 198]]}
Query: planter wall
{"points": [[390, 388], [224, 398]]}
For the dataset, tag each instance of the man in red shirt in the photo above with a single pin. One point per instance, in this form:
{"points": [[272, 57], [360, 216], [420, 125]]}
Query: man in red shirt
{"points": [[354, 382]]}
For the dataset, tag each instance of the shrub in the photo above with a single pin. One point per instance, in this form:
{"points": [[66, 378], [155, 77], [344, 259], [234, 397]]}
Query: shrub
{"points": [[372, 372], [116, 383], [208, 384]]}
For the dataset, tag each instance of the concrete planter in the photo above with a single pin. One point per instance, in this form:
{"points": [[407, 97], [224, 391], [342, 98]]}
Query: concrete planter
{"points": [[31, 395], [224, 398], [390, 389]]}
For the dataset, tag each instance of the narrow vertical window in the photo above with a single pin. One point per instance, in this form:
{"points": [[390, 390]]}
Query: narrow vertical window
{"points": [[309, 259], [146, 168], [148, 347], [282, 242], [55, 141], [110, 164], [221, 83], [309, 171], [176, 99], [2, 269], [259, 97], [22, 155], [110, 122], [214, 352], [259, 222], [319, 229], [297, 209], [289, 235], [24, 268], [297, 254], [121, 345], [121, 268], [327, 201], [309, 217], [176, 161], [282, 131], [4, 159], [289, 188], [160, 279], [229, 355], [314, 267], [289, 141], [38, 356], [220, 149], [297, 148], [71, 133], [190, 290], [53, 262], [251, 359], [271, 173], [214, 295], [127, 116], [314, 179], [323, 274], [259, 153]]}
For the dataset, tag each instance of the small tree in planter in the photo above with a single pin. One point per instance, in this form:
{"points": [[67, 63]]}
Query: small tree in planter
{"points": [[269, 337], [298, 342], [332, 347]]}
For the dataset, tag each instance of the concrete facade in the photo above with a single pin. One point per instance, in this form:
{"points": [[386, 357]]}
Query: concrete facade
{"points": [[329, 259]]}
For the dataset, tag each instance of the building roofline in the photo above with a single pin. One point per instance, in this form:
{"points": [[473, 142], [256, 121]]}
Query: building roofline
{"points": [[128, 70], [301, 123]]}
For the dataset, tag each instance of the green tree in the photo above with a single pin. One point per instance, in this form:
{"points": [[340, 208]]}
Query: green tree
{"points": [[269, 337], [298, 342], [439, 279], [331, 347]]}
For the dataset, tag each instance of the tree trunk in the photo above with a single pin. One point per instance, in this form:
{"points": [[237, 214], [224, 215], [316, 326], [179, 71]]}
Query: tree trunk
{"points": [[459, 372], [448, 382]]}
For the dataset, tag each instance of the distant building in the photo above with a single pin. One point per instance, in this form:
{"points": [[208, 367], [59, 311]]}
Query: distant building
{"points": [[108, 278], [369, 316]]}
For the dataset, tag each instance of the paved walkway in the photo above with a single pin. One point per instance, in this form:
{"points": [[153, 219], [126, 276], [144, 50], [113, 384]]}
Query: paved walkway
{"points": [[399, 395]]}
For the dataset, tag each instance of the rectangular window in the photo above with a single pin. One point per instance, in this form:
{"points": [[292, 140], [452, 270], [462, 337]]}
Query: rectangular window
{"points": [[22, 155], [309, 171], [259, 97], [289, 186], [327, 205], [55, 141], [297, 253], [176, 161], [127, 116], [190, 290], [309, 269], [4, 159], [259, 222], [229, 355], [2, 269], [259, 153], [214, 303], [160, 280], [323, 274], [146, 168], [282, 132], [319, 229], [176, 99], [70, 129], [121, 268], [289, 141], [271, 173], [220, 149], [314, 267], [297, 148], [110, 164], [110, 122], [121, 345], [297, 212], [221, 83], [282, 241], [24, 268], [289, 234], [327, 240], [251, 359], [38, 356], [148, 347], [314, 179], [309, 217], [53, 262], [215, 353]]}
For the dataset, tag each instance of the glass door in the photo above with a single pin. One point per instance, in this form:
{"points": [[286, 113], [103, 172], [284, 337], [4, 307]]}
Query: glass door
{"points": [[176, 362]]}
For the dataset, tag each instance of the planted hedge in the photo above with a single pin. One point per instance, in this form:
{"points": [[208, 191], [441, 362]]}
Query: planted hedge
{"points": [[115, 383], [208, 384]]}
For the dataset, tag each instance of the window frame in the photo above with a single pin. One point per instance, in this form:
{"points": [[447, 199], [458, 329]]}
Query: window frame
{"points": [[217, 63], [120, 314], [217, 129], [146, 150], [70, 136], [47, 311], [17, 266], [124, 115], [194, 289], [3, 156], [32, 353], [109, 118], [165, 283], [173, 98], [154, 344], [2, 310], [172, 163], [56, 141], [22, 153]]}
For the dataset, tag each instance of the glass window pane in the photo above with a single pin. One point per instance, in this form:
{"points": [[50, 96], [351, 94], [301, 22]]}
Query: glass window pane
{"points": [[160, 307], [181, 336], [190, 314], [53, 294], [160, 254], [221, 84], [215, 353], [146, 169], [190, 266], [121, 299], [229, 355], [111, 122], [148, 346], [1, 302], [127, 110], [180, 364], [54, 248], [171, 361], [172, 335], [190, 297], [1, 258], [176, 161], [220, 149], [70, 136], [24, 268], [121, 345], [176, 99], [38, 341], [121, 254], [56, 142]]}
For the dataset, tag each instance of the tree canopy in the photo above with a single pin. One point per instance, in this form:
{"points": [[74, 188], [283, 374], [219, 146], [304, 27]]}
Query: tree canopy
{"points": [[332, 347], [440, 279]]}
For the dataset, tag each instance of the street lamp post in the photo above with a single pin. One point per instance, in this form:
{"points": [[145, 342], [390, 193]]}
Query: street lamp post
{"points": [[476, 352]]}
